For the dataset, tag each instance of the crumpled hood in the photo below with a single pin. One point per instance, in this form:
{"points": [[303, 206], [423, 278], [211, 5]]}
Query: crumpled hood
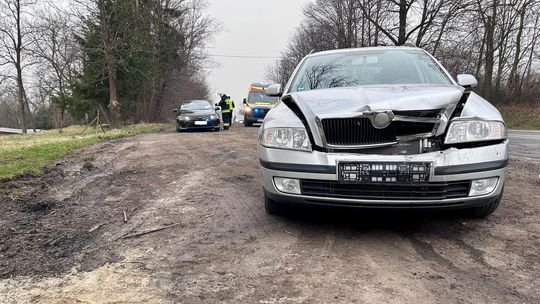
{"points": [[359, 99]]}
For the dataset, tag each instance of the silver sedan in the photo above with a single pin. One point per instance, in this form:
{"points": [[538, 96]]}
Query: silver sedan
{"points": [[384, 127]]}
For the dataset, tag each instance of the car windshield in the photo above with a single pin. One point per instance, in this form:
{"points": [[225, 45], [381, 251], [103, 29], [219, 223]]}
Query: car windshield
{"points": [[196, 105], [374, 67], [261, 97]]}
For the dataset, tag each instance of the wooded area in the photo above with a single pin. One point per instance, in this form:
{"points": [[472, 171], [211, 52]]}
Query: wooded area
{"points": [[496, 40], [134, 59]]}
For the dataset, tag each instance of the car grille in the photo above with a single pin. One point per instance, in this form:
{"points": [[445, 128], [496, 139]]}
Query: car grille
{"points": [[359, 131], [429, 191]]}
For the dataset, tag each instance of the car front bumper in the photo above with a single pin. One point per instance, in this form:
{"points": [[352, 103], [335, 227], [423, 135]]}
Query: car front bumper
{"points": [[256, 114], [189, 125], [447, 167]]}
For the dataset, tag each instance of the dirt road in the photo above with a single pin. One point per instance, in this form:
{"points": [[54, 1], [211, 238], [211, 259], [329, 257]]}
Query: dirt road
{"points": [[64, 238]]}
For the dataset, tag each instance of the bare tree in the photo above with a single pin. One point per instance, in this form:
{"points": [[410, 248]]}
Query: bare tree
{"points": [[497, 40], [514, 84], [405, 11], [14, 44], [339, 18], [59, 56]]}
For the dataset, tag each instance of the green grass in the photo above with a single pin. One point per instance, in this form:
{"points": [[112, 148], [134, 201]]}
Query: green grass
{"points": [[32, 152], [521, 118]]}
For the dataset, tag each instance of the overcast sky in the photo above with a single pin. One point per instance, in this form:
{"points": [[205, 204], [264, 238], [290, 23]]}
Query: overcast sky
{"points": [[250, 28]]}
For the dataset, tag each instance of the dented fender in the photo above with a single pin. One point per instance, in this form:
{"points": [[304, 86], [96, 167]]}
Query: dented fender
{"points": [[478, 107]]}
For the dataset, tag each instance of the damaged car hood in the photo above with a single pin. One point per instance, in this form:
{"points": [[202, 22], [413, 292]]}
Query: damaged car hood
{"points": [[337, 101], [355, 101]]}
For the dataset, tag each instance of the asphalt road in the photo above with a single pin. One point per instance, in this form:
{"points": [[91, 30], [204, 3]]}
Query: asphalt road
{"points": [[524, 144]]}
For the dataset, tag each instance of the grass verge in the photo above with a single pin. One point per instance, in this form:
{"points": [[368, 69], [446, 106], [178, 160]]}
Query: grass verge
{"points": [[521, 118], [30, 153]]}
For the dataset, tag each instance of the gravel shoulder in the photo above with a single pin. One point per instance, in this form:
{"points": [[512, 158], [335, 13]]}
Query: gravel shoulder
{"points": [[64, 238]]}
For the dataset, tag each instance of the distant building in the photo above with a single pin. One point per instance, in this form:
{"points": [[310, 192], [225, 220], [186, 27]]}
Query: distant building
{"points": [[11, 131]]}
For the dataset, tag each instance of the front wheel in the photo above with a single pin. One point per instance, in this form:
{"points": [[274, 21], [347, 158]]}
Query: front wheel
{"points": [[178, 128], [488, 209]]}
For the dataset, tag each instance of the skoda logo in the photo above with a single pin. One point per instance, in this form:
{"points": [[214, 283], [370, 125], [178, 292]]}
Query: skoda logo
{"points": [[381, 120]]}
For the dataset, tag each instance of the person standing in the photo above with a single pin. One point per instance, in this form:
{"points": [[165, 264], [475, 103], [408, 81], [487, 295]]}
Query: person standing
{"points": [[227, 107]]}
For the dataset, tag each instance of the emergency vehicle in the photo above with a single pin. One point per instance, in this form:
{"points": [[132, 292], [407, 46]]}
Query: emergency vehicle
{"points": [[257, 104]]}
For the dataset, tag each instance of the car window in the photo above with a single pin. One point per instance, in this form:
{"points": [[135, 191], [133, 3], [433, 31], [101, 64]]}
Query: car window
{"points": [[261, 97], [196, 105], [388, 67]]}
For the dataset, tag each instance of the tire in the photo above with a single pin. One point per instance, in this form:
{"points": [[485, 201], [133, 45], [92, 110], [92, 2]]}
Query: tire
{"points": [[217, 129], [248, 124], [488, 209], [178, 128], [271, 206]]}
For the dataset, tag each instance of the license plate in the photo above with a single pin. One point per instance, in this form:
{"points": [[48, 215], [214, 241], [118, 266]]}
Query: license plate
{"points": [[374, 172], [201, 123]]}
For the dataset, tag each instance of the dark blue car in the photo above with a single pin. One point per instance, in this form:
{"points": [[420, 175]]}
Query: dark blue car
{"points": [[197, 115]]}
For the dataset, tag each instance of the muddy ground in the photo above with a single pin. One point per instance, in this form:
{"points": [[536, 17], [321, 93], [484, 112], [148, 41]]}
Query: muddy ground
{"points": [[64, 238]]}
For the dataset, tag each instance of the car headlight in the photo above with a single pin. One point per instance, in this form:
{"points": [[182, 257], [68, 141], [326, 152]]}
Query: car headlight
{"points": [[475, 130], [247, 109], [185, 118], [213, 117], [286, 138]]}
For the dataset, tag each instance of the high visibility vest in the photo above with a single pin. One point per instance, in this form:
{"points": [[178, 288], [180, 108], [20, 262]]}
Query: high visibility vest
{"points": [[230, 106]]}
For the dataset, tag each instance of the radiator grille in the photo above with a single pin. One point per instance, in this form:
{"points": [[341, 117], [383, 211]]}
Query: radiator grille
{"points": [[359, 131]]}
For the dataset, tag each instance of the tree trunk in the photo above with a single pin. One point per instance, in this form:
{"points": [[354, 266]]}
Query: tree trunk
{"points": [[20, 99], [481, 59], [513, 79], [113, 98], [61, 123], [402, 36], [108, 42], [490, 60], [18, 65]]}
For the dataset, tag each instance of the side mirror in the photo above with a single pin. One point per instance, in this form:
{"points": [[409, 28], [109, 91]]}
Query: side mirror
{"points": [[217, 108], [244, 102], [467, 81], [274, 90], [175, 110]]}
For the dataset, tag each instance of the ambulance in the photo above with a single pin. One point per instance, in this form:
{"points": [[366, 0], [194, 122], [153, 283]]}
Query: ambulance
{"points": [[257, 104]]}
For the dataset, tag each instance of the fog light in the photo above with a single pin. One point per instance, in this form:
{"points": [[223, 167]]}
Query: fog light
{"points": [[287, 185], [483, 186]]}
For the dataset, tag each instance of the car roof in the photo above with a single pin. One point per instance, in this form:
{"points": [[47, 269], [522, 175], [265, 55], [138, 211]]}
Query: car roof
{"points": [[371, 48]]}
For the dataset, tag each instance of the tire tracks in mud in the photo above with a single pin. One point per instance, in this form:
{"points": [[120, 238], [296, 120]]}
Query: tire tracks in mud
{"points": [[473, 272]]}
